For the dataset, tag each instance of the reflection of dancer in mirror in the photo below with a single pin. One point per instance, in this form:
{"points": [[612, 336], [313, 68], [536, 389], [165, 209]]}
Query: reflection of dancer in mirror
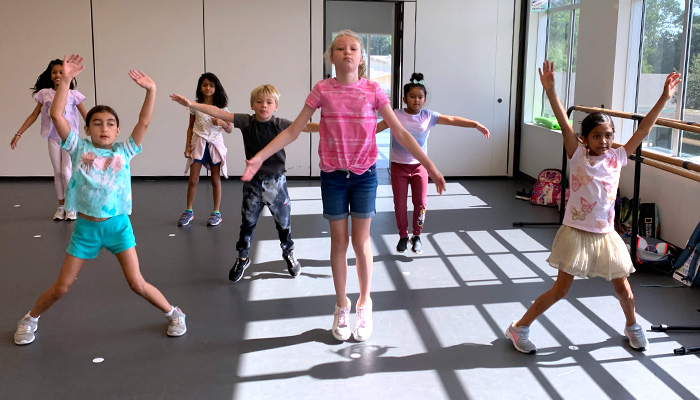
{"points": [[406, 169], [587, 245], [44, 91], [100, 192], [348, 151]]}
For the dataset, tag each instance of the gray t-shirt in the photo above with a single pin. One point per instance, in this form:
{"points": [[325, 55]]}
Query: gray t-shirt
{"points": [[257, 135]]}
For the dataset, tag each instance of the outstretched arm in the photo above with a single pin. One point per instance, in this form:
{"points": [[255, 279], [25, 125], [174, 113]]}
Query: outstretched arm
{"points": [[147, 83], [311, 127], [672, 80], [72, 67], [285, 137], [409, 143], [27, 123], [214, 111], [463, 122], [567, 131]]}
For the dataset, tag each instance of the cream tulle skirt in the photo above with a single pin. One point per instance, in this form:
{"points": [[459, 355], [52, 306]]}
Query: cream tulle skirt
{"points": [[587, 254]]}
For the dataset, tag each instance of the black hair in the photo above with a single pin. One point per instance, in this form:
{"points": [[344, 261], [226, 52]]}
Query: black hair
{"points": [[416, 82], [44, 80], [220, 98], [592, 120], [97, 109]]}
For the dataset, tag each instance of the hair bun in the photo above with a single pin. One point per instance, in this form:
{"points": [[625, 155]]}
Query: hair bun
{"points": [[416, 76]]}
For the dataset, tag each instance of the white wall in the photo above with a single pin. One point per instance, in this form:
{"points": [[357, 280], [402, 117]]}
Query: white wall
{"points": [[603, 48]]}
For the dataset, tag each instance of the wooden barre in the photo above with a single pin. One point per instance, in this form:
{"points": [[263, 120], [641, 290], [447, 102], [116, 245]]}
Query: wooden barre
{"points": [[670, 123]]}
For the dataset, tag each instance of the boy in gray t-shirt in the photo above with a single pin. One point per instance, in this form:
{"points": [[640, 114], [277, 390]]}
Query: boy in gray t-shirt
{"points": [[269, 186]]}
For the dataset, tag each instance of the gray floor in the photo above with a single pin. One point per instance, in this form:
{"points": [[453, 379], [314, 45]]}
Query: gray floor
{"points": [[439, 317]]}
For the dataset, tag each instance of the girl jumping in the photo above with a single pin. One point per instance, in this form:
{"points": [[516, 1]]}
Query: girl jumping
{"points": [[205, 146], [587, 245], [348, 151], [406, 169], [44, 91]]}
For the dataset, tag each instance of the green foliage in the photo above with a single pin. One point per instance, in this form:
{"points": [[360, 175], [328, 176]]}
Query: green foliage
{"points": [[692, 96], [380, 45], [663, 26]]}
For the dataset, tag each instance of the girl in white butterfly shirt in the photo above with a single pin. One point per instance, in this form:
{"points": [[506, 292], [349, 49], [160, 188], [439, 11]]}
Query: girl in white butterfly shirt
{"points": [[587, 245]]}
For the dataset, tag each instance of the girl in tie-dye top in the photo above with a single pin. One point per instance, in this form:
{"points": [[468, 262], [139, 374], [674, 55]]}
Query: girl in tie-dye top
{"points": [[587, 245], [348, 151], [100, 191]]}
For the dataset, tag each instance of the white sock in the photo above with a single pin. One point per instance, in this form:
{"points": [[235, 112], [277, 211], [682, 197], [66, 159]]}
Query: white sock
{"points": [[29, 317], [167, 314]]}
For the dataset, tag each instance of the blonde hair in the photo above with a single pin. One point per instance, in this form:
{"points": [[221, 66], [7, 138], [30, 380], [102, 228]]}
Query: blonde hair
{"points": [[362, 68], [265, 89]]}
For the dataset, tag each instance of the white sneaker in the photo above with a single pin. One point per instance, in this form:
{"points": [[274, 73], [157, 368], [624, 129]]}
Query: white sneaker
{"points": [[60, 214], [71, 216], [341, 328], [362, 329]]}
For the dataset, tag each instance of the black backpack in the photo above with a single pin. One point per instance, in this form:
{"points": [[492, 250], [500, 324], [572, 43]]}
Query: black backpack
{"points": [[688, 263]]}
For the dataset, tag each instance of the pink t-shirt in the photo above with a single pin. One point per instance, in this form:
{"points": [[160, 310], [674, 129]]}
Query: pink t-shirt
{"points": [[591, 206], [45, 98], [348, 123]]}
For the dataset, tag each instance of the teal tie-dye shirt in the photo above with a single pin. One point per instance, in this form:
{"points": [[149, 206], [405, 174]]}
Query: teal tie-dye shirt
{"points": [[101, 182]]}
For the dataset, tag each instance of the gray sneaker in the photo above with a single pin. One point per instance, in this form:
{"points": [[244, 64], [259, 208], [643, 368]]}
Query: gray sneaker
{"points": [[637, 338], [520, 337], [176, 325], [25, 331]]}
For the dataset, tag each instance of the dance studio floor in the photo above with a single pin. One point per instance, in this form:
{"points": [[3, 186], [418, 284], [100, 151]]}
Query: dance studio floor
{"points": [[439, 316]]}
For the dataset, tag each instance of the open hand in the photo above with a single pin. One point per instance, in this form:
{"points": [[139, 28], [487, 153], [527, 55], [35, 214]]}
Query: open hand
{"points": [[216, 122], [672, 80], [72, 66], [142, 79], [181, 100], [547, 75], [251, 167]]}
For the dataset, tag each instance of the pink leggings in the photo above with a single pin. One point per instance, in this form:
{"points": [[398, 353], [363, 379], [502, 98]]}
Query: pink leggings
{"points": [[417, 176]]}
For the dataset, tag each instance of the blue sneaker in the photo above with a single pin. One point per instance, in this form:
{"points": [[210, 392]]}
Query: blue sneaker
{"points": [[214, 219], [185, 218]]}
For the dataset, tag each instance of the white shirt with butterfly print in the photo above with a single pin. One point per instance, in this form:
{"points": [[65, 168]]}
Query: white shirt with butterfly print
{"points": [[591, 205]]}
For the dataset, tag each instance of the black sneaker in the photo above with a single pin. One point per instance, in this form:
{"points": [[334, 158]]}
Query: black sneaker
{"points": [[522, 195], [416, 245], [403, 245], [293, 265], [239, 266]]}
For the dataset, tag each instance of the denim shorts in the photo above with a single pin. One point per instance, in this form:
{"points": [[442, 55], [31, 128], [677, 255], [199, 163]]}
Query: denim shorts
{"points": [[114, 234], [206, 158], [343, 190]]}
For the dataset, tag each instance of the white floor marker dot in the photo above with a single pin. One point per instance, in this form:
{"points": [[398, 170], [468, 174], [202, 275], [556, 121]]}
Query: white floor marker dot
{"points": [[355, 355], [573, 347], [16, 205], [37, 236], [406, 273], [462, 230], [98, 360], [324, 232], [172, 234], [246, 277]]}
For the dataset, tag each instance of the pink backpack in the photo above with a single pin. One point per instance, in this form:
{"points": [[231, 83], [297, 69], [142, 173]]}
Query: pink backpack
{"points": [[547, 189]]}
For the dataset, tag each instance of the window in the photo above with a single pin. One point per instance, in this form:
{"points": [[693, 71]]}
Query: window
{"points": [[557, 40], [671, 42]]}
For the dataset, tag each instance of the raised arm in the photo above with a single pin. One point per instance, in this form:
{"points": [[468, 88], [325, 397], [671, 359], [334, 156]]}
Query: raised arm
{"points": [[672, 80], [285, 137], [27, 123], [214, 111], [463, 122], [72, 67], [311, 127], [382, 126], [147, 83], [567, 131], [409, 143]]}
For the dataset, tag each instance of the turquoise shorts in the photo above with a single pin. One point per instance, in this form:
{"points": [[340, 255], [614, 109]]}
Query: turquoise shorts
{"points": [[114, 234]]}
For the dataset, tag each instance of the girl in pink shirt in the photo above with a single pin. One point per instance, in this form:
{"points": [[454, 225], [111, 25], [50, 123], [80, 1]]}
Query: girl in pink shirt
{"points": [[587, 245], [348, 151], [44, 91]]}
